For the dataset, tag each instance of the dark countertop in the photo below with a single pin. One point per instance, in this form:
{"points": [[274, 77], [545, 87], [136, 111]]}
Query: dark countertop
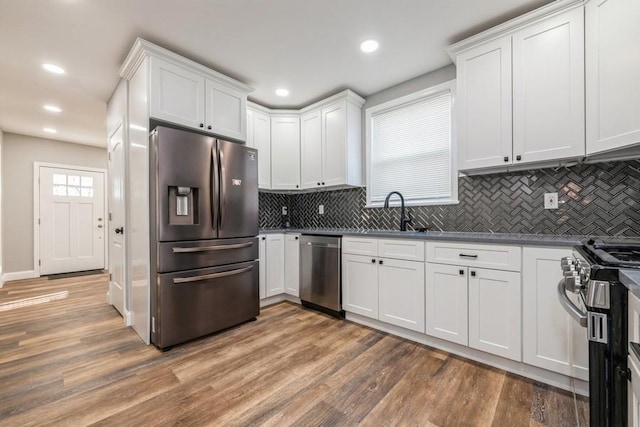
{"points": [[631, 279], [504, 238]]}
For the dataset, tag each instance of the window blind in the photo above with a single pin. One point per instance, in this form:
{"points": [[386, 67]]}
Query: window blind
{"points": [[411, 151]]}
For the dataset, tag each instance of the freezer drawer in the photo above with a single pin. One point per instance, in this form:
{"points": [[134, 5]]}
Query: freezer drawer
{"points": [[191, 304], [177, 256]]}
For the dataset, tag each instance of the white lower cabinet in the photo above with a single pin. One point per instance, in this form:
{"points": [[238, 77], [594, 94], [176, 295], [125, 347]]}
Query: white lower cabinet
{"points": [[401, 293], [495, 312], [360, 285], [552, 339], [292, 264], [446, 306], [274, 273], [633, 393]]}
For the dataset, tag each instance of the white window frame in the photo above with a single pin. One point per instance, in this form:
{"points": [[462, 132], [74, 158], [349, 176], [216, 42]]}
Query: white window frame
{"points": [[432, 91]]}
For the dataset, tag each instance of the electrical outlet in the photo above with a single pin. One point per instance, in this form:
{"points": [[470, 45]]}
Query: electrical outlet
{"points": [[284, 210], [551, 200], [321, 209]]}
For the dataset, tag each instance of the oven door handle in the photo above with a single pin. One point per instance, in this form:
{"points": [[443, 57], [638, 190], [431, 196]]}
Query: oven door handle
{"points": [[570, 307]]}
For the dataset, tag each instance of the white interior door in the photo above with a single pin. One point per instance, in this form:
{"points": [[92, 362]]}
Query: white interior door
{"points": [[116, 221], [72, 220]]}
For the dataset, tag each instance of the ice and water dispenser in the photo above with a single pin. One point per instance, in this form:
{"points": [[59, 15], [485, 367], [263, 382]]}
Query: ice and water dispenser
{"points": [[183, 205]]}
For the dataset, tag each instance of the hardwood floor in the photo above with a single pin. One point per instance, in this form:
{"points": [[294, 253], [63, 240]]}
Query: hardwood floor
{"points": [[70, 361]]}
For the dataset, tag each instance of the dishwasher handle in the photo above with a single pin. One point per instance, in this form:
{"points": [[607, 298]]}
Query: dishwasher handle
{"points": [[323, 245]]}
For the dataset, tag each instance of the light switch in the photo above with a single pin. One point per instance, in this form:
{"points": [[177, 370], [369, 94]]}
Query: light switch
{"points": [[284, 210], [551, 200], [321, 209]]}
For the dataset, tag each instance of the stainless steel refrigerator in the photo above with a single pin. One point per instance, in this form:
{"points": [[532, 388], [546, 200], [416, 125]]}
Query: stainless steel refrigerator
{"points": [[204, 227]]}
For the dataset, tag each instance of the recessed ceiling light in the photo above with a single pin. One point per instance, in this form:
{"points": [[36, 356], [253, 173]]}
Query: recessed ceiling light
{"points": [[53, 108], [53, 68], [369, 46], [282, 92], [49, 130]]}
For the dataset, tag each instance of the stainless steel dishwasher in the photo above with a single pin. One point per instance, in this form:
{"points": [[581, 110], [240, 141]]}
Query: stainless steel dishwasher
{"points": [[320, 273]]}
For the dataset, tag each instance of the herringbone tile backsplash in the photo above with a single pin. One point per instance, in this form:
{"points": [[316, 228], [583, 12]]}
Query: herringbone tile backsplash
{"points": [[595, 199]]}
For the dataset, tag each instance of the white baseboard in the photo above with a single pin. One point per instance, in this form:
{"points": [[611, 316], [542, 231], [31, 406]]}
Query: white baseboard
{"points": [[19, 275], [127, 318], [278, 298]]}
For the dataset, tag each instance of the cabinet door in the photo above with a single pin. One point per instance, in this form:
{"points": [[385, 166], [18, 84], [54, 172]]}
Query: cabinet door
{"points": [[401, 293], [275, 264], [360, 285], [311, 150], [225, 111], [551, 338], [292, 264], [633, 393], [548, 89], [334, 142], [177, 94], [483, 107], [494, 312], [285, 153], [262, 142], [447, 303], [612, 68], [262, 250]]}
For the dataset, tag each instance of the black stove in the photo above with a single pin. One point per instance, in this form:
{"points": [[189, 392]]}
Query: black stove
{"points": [[593, 272]]}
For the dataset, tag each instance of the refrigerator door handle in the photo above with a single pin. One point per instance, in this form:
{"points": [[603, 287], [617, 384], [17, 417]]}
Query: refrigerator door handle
{"points": [[179, 280], [211, 248], [215, 187], [221, 196]]}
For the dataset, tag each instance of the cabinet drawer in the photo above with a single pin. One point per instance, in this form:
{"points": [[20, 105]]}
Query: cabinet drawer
{"points": [[485, 256], [410, 250], [360, 246]]}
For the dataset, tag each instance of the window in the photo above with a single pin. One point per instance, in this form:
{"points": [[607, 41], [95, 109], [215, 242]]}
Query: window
{"points": [[72, 185], [410, 149]]}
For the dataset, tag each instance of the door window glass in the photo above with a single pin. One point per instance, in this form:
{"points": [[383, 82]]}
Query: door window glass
{"points": [[72, 185]]}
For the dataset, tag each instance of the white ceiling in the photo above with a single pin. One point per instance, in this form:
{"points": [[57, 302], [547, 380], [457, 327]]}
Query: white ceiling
{"points": [[311, 47]]}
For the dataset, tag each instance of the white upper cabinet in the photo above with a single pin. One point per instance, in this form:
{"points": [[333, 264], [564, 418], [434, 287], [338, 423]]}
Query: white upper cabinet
{"points": [[548, 89], [483, 105], [285, 152], [612, 34], [189, 94], [225, 111], [520, 91], [177, 94], [259, 137], [311, 149]]}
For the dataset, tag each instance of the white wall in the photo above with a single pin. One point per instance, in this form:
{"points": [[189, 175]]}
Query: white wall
{"points": [[18, 155]]}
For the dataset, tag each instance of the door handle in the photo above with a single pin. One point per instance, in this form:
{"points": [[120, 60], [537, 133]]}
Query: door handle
{"points": [[211, 248], [570, 307], [468, 256], [179, 280], [119, 230]]}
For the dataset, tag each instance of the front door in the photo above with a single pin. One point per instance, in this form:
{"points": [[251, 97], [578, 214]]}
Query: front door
{"points": [[72, 220], [116, 221]]}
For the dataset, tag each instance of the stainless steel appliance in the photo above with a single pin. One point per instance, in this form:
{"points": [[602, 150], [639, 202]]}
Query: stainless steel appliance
{"points": [[204, 227], [592, 272], [320, 273]]}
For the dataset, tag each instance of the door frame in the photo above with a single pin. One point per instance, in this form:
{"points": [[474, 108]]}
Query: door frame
{"points": [[36, 206]]}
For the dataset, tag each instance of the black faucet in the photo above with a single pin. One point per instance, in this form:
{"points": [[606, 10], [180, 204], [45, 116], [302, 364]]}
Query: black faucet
{"points": [[404, 218]]}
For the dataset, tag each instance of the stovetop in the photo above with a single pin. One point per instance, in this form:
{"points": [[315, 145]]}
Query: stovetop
{"points": [[613, 255]]}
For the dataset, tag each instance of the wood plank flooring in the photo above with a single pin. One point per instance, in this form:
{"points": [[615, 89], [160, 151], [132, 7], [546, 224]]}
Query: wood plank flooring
{"points": [[70, 361]]}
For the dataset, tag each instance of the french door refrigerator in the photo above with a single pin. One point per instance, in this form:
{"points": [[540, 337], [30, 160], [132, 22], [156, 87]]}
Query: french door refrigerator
{"points": [[204, 227]]}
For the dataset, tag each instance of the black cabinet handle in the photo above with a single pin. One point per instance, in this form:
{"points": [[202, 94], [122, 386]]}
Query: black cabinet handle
{"points": [[468, 256], [462, 272], [201, 125], [209, 127], [296, 186], [506, 158], [323, 183], [473, 274], [373, 261], [380, 262], [518, 157], [296, 237], [318, 183], [264, 238]]}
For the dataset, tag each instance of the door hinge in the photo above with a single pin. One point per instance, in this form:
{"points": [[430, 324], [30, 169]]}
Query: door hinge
{"points": [[39, 262], [109, 156], [109, 216], [110, 277], [38, 221]]}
